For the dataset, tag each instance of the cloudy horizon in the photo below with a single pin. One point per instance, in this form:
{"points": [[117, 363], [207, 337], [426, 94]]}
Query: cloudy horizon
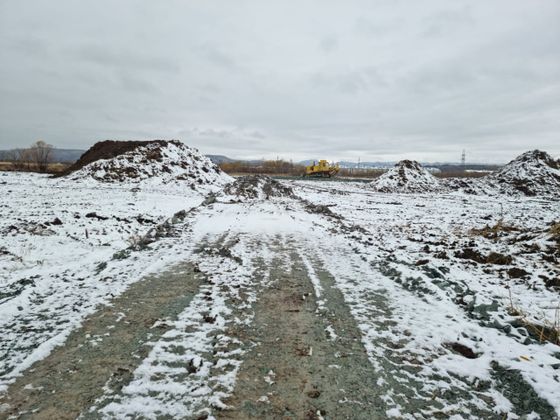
{"points": [[374, 80]]}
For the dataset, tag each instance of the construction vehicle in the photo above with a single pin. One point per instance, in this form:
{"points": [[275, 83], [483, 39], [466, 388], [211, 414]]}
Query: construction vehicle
{"points": [[322, 169]]}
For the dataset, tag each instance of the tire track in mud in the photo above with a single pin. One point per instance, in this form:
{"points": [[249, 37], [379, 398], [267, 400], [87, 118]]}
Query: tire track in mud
{"points": [[105, 351], [192, 367], [309, 361]]}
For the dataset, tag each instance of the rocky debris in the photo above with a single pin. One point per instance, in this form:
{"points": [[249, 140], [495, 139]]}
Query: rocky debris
{"points": [[258, 187], [156, 161], [408, 176], [31, 227], [320, 209], [94, 215], [55, 222], [166, 229], [526, 401], [473, 254]]}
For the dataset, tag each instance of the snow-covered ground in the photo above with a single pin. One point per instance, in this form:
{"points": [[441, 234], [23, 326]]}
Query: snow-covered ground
{"points": [[412, 244], [56, 238], [449, 314]]}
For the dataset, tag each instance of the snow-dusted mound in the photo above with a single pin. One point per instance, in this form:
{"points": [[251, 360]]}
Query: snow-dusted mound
{"points": [[408, 176], [258, 187], [153, 162], [534, 173]]}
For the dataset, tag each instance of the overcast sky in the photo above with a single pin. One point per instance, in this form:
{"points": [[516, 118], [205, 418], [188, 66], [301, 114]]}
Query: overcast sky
{"points": [[379, 80]]}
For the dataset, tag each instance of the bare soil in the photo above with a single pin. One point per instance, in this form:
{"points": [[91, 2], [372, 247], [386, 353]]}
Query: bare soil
{"points": [[309, 362]]}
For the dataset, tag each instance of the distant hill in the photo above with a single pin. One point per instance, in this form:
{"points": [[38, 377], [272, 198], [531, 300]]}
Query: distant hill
{"points": [[58, 155], [366, 165], [217, 159]]}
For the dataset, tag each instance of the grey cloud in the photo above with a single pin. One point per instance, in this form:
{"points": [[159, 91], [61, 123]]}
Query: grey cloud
{"points": [[31, 46], [329, 43], [217, 57], [369, 79], [110, 56], [445, 21]]}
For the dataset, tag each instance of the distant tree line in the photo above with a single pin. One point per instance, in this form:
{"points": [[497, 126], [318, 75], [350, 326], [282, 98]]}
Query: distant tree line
{"points": [[268, 167], [33, 158], [283, 167]]}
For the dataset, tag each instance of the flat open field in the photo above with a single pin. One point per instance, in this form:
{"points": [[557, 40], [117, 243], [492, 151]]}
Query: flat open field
{"points": [[300, 299]]}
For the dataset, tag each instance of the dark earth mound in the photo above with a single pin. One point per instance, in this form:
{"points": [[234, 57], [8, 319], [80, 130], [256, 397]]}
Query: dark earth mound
{"points": [[109, 149]]}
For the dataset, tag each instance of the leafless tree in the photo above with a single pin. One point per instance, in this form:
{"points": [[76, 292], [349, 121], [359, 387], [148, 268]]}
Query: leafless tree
{"points": [[19, 158], [41, 154]]}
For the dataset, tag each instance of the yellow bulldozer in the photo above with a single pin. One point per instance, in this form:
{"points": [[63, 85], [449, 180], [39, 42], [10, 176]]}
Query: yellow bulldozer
{"points": [[322, 169]]}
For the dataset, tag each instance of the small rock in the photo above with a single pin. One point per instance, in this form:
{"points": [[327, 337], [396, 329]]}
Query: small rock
{"points": [[314, 393], [517, 273], [462, 350]]}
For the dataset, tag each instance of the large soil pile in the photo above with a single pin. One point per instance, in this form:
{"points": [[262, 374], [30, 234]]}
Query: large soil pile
{"points": [[534, 173], [408, 176], [154, 162]]}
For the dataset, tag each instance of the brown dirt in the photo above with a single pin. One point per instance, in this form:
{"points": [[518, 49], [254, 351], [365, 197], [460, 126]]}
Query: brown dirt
{"points": [[298, 370], [492, 258], [493, 232], [109, 149]]}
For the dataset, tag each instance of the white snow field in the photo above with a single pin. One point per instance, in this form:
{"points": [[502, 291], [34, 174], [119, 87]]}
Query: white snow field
{"points": [[295, 299]]}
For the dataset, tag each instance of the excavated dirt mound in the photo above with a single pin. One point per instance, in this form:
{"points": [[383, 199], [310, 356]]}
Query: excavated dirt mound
{"points": [[408, 176], [154, 162], [108, 149], [258, 187], [534, 173]]}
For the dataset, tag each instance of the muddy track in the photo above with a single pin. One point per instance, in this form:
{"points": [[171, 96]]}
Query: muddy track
{"points": [[104, 351], [309, 361]]}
